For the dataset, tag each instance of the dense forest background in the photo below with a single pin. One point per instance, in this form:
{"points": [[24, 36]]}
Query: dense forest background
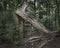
{"points": [[46, 12]]}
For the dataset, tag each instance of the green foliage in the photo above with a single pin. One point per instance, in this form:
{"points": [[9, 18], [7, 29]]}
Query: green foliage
{"points": [[47, 12]]}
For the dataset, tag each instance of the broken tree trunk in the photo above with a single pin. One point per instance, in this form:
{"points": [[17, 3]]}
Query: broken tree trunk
{"points": [[37, 25], [21, 24]]}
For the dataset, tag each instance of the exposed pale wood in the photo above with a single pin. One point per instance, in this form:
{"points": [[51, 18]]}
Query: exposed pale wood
{"points": [[32, 21]]}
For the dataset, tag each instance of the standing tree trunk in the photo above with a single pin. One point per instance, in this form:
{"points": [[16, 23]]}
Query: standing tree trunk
{"points": [[21, 24]]}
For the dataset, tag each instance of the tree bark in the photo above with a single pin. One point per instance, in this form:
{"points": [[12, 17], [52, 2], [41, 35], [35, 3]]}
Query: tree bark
{"points": [[37, 25], [21, 24]]}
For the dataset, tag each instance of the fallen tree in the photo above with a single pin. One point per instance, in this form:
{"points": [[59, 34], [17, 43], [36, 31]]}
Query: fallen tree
{"points": [[35, 24], [51, 34]]}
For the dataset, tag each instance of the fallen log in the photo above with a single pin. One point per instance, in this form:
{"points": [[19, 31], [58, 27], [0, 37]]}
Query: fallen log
{"points": [[35, 24]]}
